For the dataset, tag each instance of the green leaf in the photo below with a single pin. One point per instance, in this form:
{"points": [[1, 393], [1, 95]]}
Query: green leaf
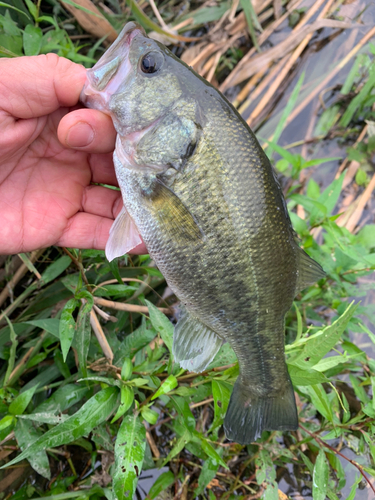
{"points": [[19, 405], [83, 335], [149, 415], [286, 112], [67, 326], [95, 411], [212, 453], [161, 324], [129, 454], [320, 401], [55, 269], [354, 488], [168, 385], [32, 9], [63, 399], [162, 483], [208, 472], [179, 446], [319, 344], [127, 398], [221, 393], [26, 434], [320, 477], [12, 353], [305, 377], [32, 40], [252, 21], [127, 369]]}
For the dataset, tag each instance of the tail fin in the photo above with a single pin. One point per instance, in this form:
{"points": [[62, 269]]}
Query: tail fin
{"points": [[248, 414]]}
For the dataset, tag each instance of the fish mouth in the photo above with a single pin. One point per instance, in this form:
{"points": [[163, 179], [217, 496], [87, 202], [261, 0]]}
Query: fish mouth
{"points": [[104, 79]]}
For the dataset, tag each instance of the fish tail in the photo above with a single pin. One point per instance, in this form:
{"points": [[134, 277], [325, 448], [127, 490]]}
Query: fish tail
{"points": [[249, 414]]}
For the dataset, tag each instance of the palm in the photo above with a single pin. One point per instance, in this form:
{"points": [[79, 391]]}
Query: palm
{"points": [[45, 192]]}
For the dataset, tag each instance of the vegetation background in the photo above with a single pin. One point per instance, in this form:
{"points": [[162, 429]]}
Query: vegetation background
{"points": [[91, 404]]}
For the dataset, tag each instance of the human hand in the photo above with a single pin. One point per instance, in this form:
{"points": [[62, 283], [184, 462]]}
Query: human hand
{"points": [[50, 157]]}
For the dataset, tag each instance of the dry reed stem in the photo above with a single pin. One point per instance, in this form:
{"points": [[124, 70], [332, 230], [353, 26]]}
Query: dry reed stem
{"points": [[345, 162], [291, 61], [329, 77], [120, 306], [151, 442], [103, 342], [262, 38], [362, 202]]}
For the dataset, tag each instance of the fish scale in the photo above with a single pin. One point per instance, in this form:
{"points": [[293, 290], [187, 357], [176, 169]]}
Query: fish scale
{"points": [[202, 194]]}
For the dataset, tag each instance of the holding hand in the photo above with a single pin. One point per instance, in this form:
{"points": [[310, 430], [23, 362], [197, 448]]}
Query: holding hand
{"points": [[50, 156]]}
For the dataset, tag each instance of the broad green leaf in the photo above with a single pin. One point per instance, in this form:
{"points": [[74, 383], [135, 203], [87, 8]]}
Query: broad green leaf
{"points": [[168, 385], [83, 335], [44, 418], [55, 269], [320, 400], [32, 40], [26, 434], [212, 453], [63, 398], [318, 345], [161, 324], [221, 393], [127, 398], [129, 454], [127, 369], [133, 343], [67, 326], [305, 377], [19, 405], [95, 411], [32, 9], [320, 477], [162, 483], [184, 411], [149, 415]]}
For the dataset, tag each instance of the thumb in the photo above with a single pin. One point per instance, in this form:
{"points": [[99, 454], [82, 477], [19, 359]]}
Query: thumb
{"points": [[38, 85]]}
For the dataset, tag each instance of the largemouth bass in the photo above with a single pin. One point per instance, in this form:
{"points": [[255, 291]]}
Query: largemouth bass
{"points": [[202, 194]]}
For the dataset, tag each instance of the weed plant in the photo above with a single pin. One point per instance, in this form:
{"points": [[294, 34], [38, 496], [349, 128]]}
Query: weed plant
{"points": [[91, 398]]}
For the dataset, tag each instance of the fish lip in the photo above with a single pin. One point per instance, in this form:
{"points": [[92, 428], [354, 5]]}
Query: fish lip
{"points": [[92, 93]]}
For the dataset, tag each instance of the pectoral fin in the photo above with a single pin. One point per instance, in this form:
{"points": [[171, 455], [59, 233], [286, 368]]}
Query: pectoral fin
{"points": [[172, 214], [123, 236], [194, 344], [309, 271]]}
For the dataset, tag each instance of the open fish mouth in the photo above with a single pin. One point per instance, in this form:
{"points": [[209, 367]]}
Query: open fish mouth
{"points": [[105, 78]]}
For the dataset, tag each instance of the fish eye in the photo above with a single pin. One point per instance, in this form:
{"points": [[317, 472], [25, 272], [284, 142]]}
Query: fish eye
{"points": [[151, 62]]}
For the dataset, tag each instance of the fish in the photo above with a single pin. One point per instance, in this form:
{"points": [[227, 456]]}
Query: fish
{"points": [[200, 192]]}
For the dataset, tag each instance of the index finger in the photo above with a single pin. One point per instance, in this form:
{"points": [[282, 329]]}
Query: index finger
{"points": [[34, 86]]}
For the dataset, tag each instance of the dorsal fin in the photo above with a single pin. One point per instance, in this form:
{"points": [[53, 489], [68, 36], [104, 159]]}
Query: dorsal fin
{"points": [[309, 271]]}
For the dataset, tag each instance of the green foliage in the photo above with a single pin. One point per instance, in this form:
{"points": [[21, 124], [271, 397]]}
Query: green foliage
{"points": [[64, 395]]}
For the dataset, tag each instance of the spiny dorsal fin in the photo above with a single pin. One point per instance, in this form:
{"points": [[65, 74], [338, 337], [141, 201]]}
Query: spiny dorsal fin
{"points": [[194, 344], [123, 236], [309, 271]]}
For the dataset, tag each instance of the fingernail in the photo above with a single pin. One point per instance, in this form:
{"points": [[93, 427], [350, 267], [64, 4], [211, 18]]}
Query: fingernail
{"points": [[80, 135]]}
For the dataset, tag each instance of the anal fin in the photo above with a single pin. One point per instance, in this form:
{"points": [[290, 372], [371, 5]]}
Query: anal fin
{"points": [[123, 236], [194, 344], [309, 271]]}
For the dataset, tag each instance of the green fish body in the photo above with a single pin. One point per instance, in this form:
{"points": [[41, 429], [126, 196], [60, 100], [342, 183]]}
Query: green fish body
{"points": [[202, 194]]}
